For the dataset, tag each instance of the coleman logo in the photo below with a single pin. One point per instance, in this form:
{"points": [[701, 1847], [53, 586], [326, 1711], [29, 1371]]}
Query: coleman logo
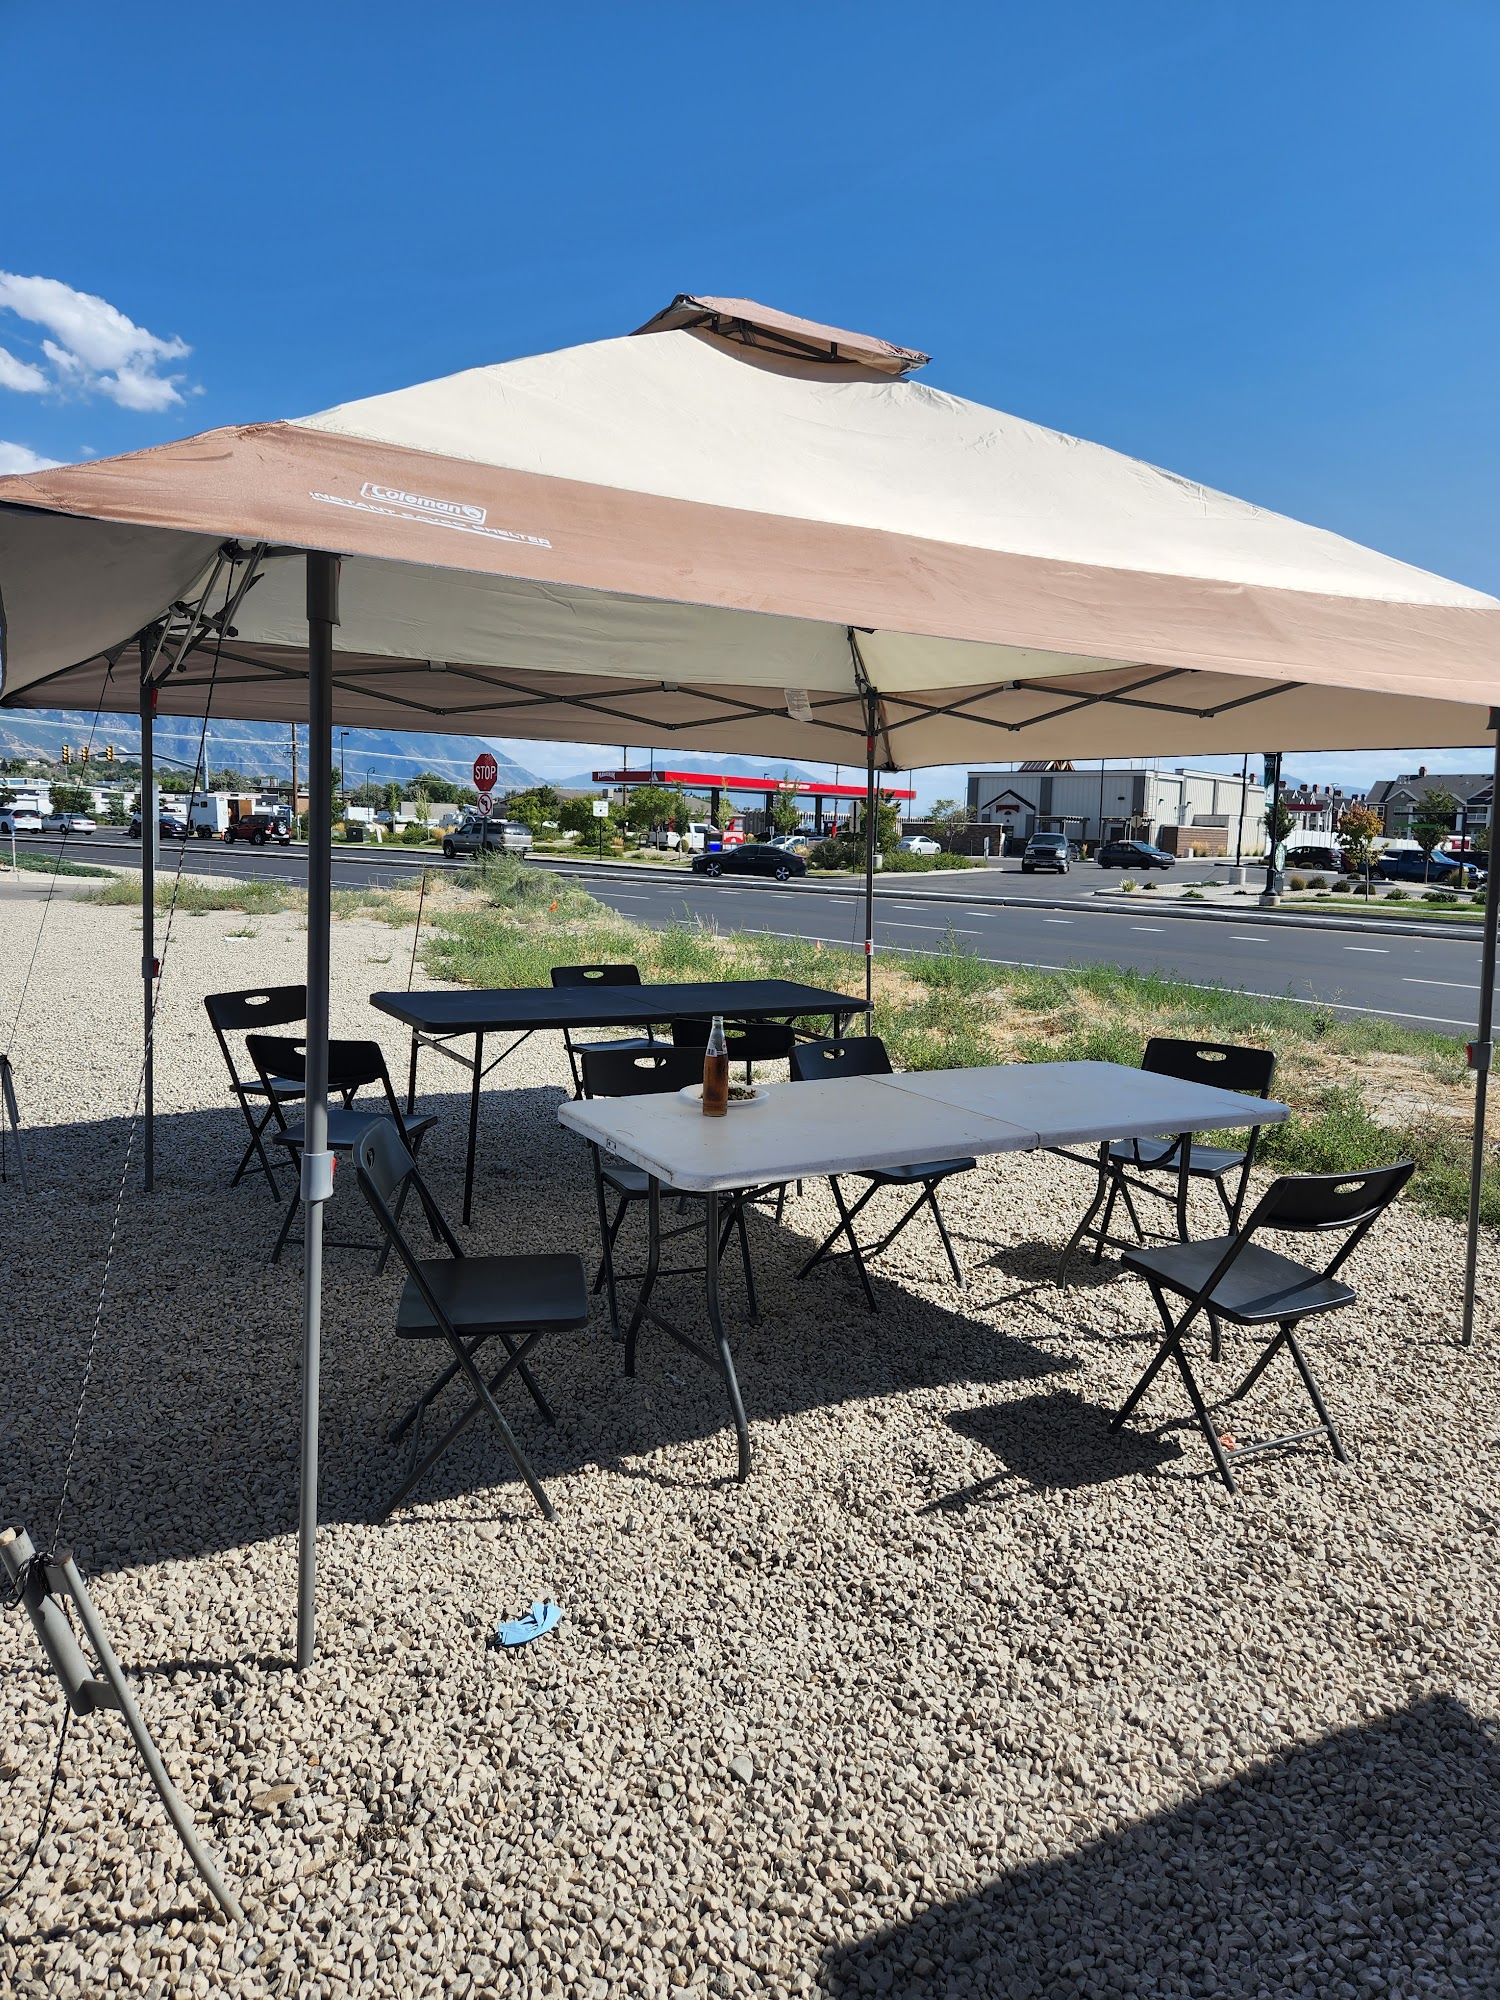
{"points": [[443, 510], [457, 515]]}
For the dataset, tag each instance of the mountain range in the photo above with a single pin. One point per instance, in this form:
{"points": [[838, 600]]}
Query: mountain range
{"points": [[259, 749]]}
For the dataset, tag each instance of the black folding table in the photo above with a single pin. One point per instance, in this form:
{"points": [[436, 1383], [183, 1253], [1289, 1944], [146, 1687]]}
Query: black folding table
{"points": [[438, 1020]]}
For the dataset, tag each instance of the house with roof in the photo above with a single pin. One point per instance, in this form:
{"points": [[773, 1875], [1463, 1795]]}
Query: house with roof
{"points": [[1401, 801]]}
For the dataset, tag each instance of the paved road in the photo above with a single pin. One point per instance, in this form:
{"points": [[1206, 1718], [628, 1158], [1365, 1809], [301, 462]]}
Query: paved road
{"points": [[1431, 982]]}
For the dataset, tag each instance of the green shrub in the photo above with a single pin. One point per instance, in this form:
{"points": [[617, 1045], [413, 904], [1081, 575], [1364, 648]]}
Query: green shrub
{"points": [[1397, 895], [415, 834], [829, 854], [1317, 881], [899, 862], [957, 861], [1192, 895], [1343, 888], [1127, 885], [1296, 881], [1440, 896]]}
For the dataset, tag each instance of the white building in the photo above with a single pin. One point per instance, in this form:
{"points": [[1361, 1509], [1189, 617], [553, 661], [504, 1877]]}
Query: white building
{"points": [[1184, 811]]}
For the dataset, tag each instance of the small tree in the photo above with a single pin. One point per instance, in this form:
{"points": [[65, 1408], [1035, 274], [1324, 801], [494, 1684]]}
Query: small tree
{"points": [[1279, 822], [578, 816], [534, 808], [1359, 830], [949, 820], [1437, 817], [436, 790], [649, 806], [71, 799], [786, 814]]}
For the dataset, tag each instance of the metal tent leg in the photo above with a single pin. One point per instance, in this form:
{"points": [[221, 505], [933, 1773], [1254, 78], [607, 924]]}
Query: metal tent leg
{"points": [[1480, 1054], [148, 924], [317, 1161]]}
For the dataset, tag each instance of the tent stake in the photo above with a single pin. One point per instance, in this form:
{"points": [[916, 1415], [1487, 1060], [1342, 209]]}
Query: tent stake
{"points": [[317, 1161], [1480, 1052]]}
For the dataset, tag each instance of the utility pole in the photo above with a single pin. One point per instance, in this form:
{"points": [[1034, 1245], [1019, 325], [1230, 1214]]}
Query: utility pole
{"points": [[1239, 832]]}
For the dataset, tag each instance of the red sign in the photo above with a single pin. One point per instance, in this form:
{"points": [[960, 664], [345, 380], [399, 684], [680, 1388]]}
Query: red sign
{"points": [[486, 772]]}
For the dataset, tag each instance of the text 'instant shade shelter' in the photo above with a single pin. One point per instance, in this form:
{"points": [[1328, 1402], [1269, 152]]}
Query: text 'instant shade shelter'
{"points": [[739, 530]]}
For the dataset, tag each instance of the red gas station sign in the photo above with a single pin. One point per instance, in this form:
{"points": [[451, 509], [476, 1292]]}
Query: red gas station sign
{"points": [[486, 772]]}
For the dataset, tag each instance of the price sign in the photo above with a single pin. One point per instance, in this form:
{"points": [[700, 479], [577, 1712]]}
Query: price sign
{"points": [[485, 806], [486, 772]]}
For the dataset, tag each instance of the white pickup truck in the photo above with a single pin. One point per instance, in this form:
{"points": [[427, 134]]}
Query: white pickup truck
{"points": [[700, 836]]}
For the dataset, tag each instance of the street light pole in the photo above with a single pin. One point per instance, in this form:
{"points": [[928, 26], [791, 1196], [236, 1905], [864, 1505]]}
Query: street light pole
{"points": [[343, 781], [1269, 896]]}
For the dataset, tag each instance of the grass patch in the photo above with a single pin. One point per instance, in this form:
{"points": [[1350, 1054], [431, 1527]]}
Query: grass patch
{"points": [[28, 863], [199, 895]]}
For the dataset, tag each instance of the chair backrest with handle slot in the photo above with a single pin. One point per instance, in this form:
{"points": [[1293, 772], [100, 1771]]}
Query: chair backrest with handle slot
{"points": [[857, 1055]]}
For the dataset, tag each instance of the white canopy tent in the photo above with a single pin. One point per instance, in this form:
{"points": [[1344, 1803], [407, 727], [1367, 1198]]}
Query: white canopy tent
{"points": [[737, 529]]}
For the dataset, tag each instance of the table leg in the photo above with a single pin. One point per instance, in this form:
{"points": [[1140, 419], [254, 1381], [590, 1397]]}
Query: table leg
{"points": [[721, 1338], [473, 1126], [1184, 1156], [653, 1261], [411, 1077], [1088, 1214]]}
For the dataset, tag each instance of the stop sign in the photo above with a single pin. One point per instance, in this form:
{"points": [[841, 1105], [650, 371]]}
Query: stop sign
{"points": [[486, 772]]}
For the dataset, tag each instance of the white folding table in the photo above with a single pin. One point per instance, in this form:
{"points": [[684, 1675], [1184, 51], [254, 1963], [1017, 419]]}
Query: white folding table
{"points": [[803, 1131]]}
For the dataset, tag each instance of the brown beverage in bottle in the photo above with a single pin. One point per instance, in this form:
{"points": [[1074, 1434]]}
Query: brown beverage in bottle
{"points": [[716, 1071]]}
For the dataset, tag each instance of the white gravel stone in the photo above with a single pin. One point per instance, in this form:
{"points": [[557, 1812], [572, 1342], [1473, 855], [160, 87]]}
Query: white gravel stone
{"points": [[1028, 1709]]}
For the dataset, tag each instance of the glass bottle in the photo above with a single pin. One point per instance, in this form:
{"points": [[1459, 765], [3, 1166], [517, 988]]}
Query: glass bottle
{"points": [[716, 1071]]}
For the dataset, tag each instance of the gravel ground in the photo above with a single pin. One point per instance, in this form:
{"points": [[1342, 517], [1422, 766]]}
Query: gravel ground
{"points": [[960, 1695]]}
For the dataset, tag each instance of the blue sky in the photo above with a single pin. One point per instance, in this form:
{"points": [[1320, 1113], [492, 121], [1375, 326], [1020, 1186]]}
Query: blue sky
{"points": [[1254, 243]]}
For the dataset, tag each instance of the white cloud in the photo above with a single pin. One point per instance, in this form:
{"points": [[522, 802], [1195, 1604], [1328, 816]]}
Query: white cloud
{"points": [[22, 376], [17, 458], [92, 347]]}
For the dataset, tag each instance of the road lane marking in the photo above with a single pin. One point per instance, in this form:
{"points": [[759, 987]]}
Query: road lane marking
{"points": [[1145, 927], [1239, 937], [1057, 920], [1380, 950], [891, 924], [1468, 985]]}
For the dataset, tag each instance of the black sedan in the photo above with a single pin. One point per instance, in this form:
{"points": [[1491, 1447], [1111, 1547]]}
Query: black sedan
{"points": [[756, 857], [168, 827], [1133, 854]]}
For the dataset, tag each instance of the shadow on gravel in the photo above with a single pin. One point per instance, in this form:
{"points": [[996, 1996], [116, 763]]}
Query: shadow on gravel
{"points": [[1367, 1863], [189, 1441], [1054, 1442]]}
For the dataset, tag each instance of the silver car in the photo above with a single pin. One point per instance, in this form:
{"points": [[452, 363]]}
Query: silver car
{"points": [[475, 835]]}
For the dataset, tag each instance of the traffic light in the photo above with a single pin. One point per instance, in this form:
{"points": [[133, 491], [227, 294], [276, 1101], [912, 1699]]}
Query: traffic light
{"points": [[67, 753], [83, 755], [109, 753]]}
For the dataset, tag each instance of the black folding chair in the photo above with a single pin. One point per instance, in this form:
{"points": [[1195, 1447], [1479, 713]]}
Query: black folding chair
{"points": [[865, 1055], [749, 1042], [352, 1066], [598, 975], [465, 1301], [619, 1072], [1121, 1163], [260, 1101], [1233, 1278]]}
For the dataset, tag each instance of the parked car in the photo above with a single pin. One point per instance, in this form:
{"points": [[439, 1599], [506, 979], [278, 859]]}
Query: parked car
{"points": [[258, 828], [794, 843], [1410, 864], [756, 857], [168, 826], [918, 843], [1133, 854], [1047, 850], [20, 819], [1323, 857], [476, 835], [67, 823]]}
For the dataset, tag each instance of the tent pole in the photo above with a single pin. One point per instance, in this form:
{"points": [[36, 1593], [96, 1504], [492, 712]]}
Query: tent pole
{"points": [[148, 923], [871, 835], [317, 1161], [1480, 1053]]}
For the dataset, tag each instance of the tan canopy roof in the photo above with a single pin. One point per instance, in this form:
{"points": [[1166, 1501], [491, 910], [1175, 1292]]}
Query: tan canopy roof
{"points": [[691, 536]]}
